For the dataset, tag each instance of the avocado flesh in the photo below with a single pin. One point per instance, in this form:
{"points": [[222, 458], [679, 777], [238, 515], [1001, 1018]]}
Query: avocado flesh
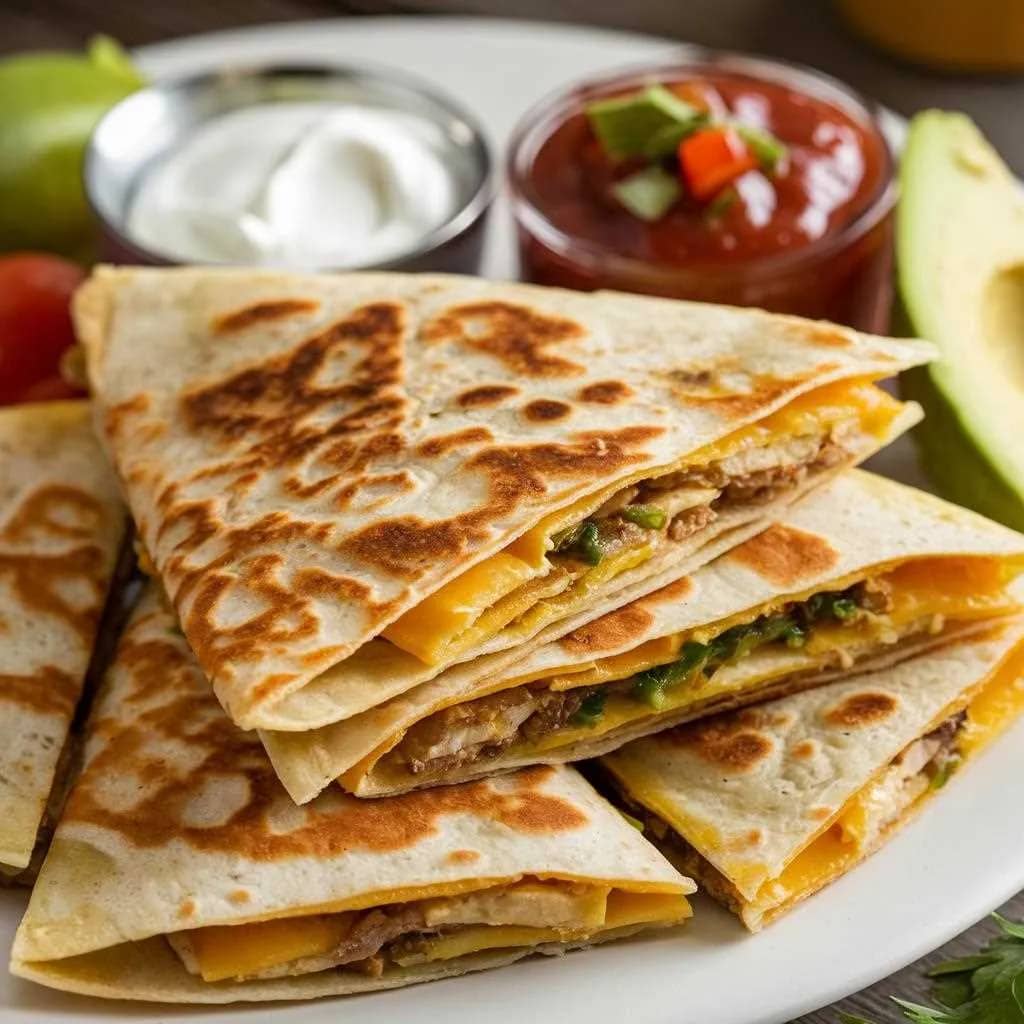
{"points": [[960, 258]]}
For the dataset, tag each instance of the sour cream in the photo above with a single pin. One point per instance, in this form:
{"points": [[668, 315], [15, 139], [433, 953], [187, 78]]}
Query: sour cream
{"points": [[304, 185]]}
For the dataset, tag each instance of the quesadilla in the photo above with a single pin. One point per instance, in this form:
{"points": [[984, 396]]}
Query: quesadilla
{"points": [[61, 526], [862, 572], [347, 484], [767, 805], [182, 872]]}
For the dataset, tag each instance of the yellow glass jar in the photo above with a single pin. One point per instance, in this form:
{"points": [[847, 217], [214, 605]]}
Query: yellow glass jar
{"points": [[950, 35]]}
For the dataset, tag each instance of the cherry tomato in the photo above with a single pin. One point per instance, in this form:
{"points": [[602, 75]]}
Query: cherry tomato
{"points": [[35, 325]]}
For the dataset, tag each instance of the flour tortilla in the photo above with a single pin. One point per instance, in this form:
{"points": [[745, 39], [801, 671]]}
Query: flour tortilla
{"points": [[752, 789], [61, 525], [838, 533], [177, 822], [309, 457]]}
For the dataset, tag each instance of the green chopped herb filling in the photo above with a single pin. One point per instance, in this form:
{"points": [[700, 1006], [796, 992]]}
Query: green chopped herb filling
{"points": [[582, 541], [591, 710], [790, 627], [650, 517]]}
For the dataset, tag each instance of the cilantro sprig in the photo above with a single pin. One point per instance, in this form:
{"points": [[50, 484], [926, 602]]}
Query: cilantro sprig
{"points": [[984, 989]]}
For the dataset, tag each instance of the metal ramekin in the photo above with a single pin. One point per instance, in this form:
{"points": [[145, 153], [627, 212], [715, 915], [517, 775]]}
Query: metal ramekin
{"points": [[140, 129]]}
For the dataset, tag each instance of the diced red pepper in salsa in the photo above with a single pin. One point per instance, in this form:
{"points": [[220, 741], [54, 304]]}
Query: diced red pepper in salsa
{"points": [[711, 158]]}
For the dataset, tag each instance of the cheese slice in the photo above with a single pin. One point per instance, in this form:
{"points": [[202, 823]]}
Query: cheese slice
{"points": [[242, 950], [430, 630], [561, 910]]}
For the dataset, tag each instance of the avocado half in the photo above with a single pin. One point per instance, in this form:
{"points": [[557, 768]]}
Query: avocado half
{"points": [[960, 266]]}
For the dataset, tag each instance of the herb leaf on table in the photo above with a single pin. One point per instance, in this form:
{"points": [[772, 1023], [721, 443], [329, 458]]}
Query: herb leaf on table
{"points": [[983, 989]]}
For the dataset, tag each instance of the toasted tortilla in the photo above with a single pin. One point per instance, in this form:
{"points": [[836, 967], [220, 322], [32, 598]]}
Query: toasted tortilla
{"points": [[177, 827], [61, 525], [857, 526], [773, 802], [316, 461]]}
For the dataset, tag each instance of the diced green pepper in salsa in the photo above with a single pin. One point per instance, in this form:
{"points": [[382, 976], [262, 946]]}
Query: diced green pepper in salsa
{"points": [[683, 150]]}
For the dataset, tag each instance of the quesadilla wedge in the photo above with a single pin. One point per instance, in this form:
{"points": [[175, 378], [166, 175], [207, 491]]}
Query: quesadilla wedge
{"points": [[182, 872], [348, 483], [767, 805], [61, 526], [860, 573]]}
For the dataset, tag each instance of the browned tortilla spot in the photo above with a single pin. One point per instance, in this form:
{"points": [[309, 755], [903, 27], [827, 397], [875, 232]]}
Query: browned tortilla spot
{"points": [[821, 335], [784, 555], [117, 415], [546, 410], [354, 366], [487, 394], [862, 709], [733, 742], [220, 755], [468, 438], [54, 511], [804, 750], [287, 615], [744, 841], [517, 336], [819, 813], [701, 387], [463, 856], [43, 583], [610, 631], [48, 691], [606, 392], [515, 475], [187, 909], [238, 896], [261, 312]]}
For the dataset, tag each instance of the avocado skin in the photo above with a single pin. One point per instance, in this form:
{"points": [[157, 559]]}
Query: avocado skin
{"points": [[954, 459]]}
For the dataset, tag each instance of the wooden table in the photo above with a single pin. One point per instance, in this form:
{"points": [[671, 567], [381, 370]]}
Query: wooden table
{"points": [[800, 30]]}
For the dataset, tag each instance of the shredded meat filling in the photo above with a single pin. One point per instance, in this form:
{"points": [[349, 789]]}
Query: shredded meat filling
{"points": [[374, 930], [690, 521], [755, 476]]}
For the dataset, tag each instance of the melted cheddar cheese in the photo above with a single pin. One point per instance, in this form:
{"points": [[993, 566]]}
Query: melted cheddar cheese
{"points": [[439, 626], [245, 950], [231, 951]]}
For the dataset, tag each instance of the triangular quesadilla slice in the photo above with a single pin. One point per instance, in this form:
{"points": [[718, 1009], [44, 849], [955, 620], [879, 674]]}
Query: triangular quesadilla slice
{"points": [[182, 872], [61, 527], [861, 573], [347, 484], [767, 805]]}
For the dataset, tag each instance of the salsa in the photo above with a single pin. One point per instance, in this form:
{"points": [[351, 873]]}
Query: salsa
{"points": [[764, 179], [830, 171]]}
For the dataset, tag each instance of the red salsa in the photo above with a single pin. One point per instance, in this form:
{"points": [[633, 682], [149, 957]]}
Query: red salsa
{"points": [[803, 229]]}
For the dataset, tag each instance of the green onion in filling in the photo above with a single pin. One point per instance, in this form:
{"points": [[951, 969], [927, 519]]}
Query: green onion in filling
{"points": [[650, 517], [591, 710]]}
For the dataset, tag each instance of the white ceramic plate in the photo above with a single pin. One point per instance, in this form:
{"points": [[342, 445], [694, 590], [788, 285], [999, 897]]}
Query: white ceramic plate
{"points": [[960, 859]]}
